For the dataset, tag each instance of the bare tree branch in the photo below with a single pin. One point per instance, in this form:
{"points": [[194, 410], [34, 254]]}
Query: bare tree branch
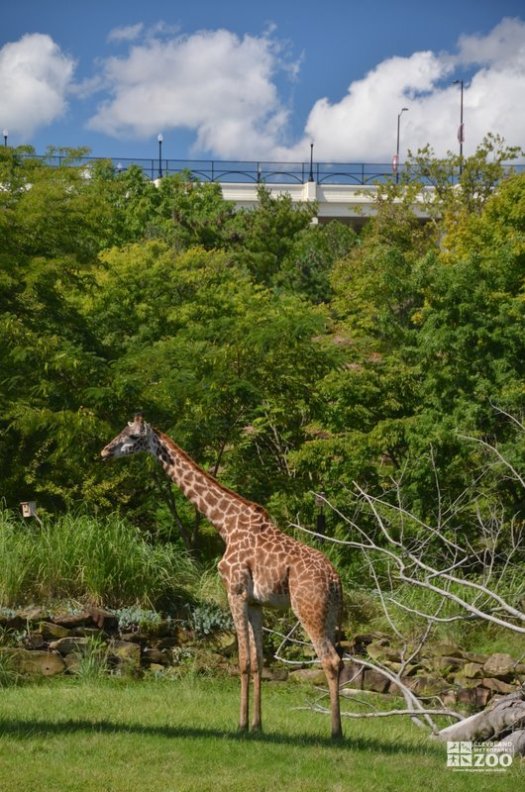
{"points": [[466, 579], [385, 713]]}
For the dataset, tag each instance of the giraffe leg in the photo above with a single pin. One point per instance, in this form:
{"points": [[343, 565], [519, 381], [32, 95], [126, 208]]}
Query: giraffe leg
{"points": [[239, 611], [331, 663], [256, 662], [332, 667], [322, 634]]}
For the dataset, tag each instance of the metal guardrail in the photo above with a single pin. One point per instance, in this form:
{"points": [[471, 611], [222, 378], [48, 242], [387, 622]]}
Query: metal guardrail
{"points": [[244, 172], [250, 172]]}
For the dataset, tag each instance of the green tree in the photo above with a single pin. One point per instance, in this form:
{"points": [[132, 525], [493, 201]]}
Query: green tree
{"points": [[307, 267], [48, 355], [430, 320], [221, 362], [265, 236]]}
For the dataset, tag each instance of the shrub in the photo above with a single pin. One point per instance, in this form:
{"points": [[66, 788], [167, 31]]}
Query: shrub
{"points": [[93, 662], [207, 618], [102, 561], [9, 676]]}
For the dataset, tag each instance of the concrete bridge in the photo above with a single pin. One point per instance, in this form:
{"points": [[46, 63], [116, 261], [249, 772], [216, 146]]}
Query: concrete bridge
{"points": [[351, 204], [343, 191]]}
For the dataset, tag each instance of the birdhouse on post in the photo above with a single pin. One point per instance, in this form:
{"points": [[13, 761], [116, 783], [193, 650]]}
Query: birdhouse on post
{"points": [[29, 510]]}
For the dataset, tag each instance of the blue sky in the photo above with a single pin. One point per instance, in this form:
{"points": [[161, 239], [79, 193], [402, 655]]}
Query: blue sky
{"points": [[245, 80]]}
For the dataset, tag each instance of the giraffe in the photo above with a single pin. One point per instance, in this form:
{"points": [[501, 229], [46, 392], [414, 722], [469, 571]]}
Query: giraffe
{"points": [[261, 566]]}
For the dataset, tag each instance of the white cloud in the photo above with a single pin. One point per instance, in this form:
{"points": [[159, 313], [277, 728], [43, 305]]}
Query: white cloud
{"points": [[126, 33], [362, 126], [215, 83], [224, 88], [34, 79], [503, 47]]}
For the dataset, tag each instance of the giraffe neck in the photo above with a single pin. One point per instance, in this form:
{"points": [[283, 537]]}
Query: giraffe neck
{"points": [[217, 503]]}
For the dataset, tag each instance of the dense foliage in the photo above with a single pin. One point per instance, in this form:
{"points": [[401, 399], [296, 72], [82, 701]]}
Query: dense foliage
{"points": [[287, 358]]}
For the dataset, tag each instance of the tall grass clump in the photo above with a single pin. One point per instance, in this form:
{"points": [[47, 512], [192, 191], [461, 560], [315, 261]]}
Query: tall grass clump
{"points": [[93, 663], [9, 674], [103, 561]]}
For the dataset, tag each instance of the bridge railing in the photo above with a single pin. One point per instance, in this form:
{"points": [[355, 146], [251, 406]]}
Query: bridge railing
{"points": [[250, 172]]}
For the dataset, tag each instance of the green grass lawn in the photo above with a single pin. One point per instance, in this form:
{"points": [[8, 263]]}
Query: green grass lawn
{"points": [[179, 736]]}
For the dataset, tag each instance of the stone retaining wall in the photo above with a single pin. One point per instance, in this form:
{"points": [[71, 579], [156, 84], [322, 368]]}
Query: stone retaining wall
{"points": [[46, 644], [461, 679]]}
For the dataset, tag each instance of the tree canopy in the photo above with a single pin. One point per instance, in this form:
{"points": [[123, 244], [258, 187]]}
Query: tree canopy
{"points": [[287, 358]]}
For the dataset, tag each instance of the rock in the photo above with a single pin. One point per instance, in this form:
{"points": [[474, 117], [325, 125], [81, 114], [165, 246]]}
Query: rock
{"points": [[39, 663], [132, 637], [476, 697], [168, 642], [126, 653], [72, 620], [473, 657], [12, 622], [274, 674], [153, 655], [51, 631], [45, 663], [379, 650], [446, 663], [482, 698], [230, 650], [156, 629], [411, 669], [352, 674], [462, 681], [446, 649], [498, 686], [72, 662], [472, 670], [360, 642], [422, 685], [314, 676], [374, 680], [450, 698], [105, 621], [499, 665], [85, 632], [225, 644], [69, 644], [34, 640], [33, 614]]}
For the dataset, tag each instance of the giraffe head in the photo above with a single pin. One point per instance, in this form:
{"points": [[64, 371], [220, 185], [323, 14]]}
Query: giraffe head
{"points": [[135, 437]]}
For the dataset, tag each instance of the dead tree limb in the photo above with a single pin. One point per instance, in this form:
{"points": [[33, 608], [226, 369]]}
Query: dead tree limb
{"points": [[430, 558]]}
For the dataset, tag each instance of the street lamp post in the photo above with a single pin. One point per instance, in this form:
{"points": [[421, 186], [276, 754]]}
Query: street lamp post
{"points": [[5, 134], [396, 159], [311, 176], [160, 139], [461, 130]]}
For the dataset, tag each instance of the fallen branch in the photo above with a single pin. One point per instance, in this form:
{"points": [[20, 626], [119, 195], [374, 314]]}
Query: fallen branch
{"points": [[383, 713]]}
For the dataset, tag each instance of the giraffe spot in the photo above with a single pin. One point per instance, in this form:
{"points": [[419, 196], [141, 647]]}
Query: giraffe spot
{"points": [[215, 515]]}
